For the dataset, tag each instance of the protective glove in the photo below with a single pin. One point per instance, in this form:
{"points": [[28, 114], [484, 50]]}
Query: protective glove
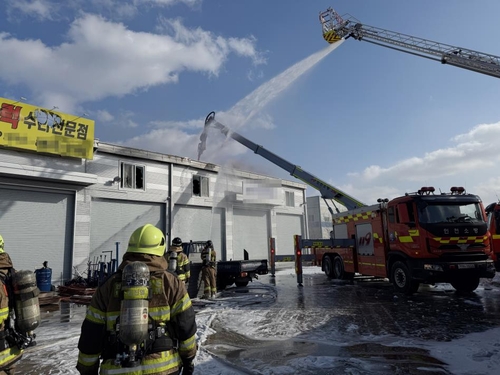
{"points": [[187, 367]]}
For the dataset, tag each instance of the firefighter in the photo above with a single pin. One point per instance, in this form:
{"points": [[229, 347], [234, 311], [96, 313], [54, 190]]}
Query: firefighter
{"points": [[171, 328], [9, 353], [209, 258], [178, 262]]}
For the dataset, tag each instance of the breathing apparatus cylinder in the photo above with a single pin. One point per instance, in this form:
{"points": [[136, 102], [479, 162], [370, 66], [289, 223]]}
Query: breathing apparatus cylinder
{"points": [[134, 310], [172, 261], [26, 305]]}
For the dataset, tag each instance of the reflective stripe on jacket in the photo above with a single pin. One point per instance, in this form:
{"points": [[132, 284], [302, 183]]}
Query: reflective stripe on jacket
{"points": [[170, 303], [13, 354]]}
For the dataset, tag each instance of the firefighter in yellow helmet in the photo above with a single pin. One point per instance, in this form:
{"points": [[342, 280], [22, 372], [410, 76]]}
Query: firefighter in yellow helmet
{"points": [[178, 261], [9, 354], [208, 270], [171, 340]]}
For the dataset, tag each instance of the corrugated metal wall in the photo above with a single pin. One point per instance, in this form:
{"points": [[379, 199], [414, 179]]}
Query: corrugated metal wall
{"points": [[115, 220], [250, 232], [199, 224], [288, 226], [37, 226]]}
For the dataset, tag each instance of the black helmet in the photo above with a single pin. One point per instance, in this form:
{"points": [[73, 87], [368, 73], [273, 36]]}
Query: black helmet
{"points": [[177, 241], [209, 243]]}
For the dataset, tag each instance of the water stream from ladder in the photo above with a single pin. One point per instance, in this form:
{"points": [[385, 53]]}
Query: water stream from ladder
{"points": [[250, 106]]}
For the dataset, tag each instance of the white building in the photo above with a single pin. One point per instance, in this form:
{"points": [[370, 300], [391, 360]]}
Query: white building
{"points": [[69, 211], [319, 217]]}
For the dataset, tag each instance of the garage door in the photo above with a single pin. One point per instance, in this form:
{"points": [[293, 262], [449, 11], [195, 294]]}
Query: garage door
{"points": [[37, 226], [199, 224], [115, 220], [250, 232], [287, 227]]}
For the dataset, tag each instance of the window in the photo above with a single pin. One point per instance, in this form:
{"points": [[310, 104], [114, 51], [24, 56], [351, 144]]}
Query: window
{"points": [[289, 198], [451, 213], [132, 176], [200, 186], [391, 214]]}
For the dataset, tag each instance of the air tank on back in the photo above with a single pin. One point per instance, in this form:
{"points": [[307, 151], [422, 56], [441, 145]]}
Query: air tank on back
{"points": [[134, 311], [172, 261], [26, 304]]}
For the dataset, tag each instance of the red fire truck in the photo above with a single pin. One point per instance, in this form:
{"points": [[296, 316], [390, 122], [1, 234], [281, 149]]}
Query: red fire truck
{"points": [[421, 237], [493, 212]]}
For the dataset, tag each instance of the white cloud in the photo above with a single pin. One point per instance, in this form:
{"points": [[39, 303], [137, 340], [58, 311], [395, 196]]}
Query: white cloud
{"points": [[468, 163], [475, 152], [104, 116], [190, 124], [103, 58], [488, 189], [169, 2], [39, 9], [53, 10]]}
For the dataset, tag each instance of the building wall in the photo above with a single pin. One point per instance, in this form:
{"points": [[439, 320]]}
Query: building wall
{"points": [[319, 218], [168, 181]]}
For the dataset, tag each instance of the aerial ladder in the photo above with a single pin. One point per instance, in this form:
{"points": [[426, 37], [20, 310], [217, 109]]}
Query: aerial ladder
{"points": [[328, 192], [336, 27]]}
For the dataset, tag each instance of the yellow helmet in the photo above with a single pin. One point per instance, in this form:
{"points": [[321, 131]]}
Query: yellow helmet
{"points": [[2, 244], [147, 240]]}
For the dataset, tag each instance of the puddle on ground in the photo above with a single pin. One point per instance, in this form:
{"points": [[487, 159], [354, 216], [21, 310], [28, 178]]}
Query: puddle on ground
{"points": [[295, 355]]}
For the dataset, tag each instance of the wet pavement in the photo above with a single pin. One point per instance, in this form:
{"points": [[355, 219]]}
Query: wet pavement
{"points": [[326, 326], [351, 328]]}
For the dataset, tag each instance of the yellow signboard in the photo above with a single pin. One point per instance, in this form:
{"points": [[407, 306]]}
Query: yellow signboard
{"points": [[34, 128]]}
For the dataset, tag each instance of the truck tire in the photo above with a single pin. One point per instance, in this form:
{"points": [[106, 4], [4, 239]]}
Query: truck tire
{"points": [[339, 271], [222, 283], [241, 283], [328, 267], [465, 284], [402, 280]]}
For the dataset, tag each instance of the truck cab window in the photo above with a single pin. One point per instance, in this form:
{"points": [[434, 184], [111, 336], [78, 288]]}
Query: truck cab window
{"points": [[411, 212], [391, 214]]}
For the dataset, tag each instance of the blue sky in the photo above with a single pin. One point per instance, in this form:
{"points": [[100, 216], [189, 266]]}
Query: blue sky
{"points": [[371, 121]]}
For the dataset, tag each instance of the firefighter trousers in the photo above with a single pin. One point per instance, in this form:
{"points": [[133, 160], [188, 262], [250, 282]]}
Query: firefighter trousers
{"points": [[209, 281]]}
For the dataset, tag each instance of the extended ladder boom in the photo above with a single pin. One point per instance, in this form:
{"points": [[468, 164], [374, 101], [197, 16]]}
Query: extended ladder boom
{"points": [[335, 28], [327, 191]]}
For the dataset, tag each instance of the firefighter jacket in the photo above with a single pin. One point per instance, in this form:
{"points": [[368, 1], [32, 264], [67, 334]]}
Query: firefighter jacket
{"points": [[8, 355], [169, 304], [208, 257], [183, 266]]}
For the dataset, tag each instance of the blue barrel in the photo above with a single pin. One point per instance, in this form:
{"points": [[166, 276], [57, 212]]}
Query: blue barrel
{"points": [[44, 279]]}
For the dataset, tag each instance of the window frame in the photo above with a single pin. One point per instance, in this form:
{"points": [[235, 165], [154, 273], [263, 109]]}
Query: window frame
{"points": [[204, 186], [289, 198], [133, 171]]}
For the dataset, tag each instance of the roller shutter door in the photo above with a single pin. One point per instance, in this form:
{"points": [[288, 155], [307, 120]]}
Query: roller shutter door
{"points": [[115, 220], [37, 226], [199, 224], [250, 232], [287, 227]]}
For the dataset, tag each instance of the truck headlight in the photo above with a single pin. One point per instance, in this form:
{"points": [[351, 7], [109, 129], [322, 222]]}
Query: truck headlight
{"points": [[433, 267]]}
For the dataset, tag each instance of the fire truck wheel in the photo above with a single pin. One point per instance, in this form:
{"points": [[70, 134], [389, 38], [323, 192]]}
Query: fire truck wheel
{"points": [[328, 267], [465, 284], [338, 268], [401, 279]]}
